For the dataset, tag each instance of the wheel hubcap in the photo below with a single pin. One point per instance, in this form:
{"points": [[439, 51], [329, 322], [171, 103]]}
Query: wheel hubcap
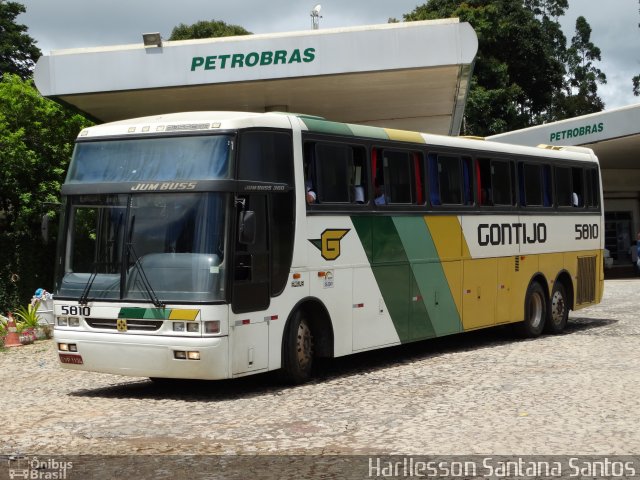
{"points": [[535, 310], [557, 307], [304, 345]]}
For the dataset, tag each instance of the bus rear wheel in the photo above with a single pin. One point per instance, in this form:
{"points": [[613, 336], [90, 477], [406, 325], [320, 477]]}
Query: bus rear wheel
{"points": [[298, 350], [558, 310], [535, 312]]}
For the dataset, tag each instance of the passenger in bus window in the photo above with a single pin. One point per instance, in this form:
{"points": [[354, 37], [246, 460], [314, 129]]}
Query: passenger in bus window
{"points": [[358, 194], [310, 192], [380, 198], [575, 200]]}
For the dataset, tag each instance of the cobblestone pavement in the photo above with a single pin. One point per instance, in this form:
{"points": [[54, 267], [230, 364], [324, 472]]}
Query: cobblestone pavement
{"points": [[477, 393]]}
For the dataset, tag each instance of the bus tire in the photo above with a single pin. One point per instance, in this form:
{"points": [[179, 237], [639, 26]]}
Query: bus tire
{"points": [[298, 350], [535, 312], [558, 310]]}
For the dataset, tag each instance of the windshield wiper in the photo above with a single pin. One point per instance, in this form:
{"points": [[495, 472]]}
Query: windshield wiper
{"points": [[143, 276], [84, 297]]}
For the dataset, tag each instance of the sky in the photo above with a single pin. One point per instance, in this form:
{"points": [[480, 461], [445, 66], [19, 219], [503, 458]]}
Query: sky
{"points": [[62, 24]]}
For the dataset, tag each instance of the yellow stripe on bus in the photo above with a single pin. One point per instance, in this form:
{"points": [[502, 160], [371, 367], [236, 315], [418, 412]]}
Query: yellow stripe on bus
{"points": [[183, 314], [404, 136]]}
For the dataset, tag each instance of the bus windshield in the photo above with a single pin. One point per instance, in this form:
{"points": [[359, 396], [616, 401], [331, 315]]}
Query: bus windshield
{"points": [[159, 246], [203, 157]]}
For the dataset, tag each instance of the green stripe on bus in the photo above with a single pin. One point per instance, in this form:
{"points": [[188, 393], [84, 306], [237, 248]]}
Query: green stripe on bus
{"points": [[138, 313], [132, 312], [323, 126], [435, 291], [394, 276], [369, 132], [405, 264]]}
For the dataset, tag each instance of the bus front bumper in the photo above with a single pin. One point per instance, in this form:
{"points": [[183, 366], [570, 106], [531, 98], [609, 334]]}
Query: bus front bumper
{"points": [[144, 356]]}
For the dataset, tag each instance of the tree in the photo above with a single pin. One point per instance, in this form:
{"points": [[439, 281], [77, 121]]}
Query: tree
{"points": [[206, 29], [518, 66], [36, 142], [520, 73], [583, 76], [18, 51]]}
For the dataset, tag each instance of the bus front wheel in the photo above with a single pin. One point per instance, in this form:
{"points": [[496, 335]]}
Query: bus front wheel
{"points": [[535, 312], [298, 350], [558, 310]]}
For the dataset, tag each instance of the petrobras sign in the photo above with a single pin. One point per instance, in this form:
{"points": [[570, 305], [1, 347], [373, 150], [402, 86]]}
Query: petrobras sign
{"points": [[253, 59]]}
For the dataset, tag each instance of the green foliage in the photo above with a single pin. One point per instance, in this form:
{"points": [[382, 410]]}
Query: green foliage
{"points": [[206, 29], [28, 315], [18, 51], [36, 142], [519, 72], [583, 76]]}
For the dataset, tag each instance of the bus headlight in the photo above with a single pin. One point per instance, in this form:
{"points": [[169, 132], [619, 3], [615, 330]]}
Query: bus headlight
{"points": [[178, 326], [193, 355], [63, 321], [74, 321], [193, 327]]}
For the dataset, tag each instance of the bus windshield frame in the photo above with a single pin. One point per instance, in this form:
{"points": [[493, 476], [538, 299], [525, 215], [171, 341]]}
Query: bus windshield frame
{"points": [[120, 242]]}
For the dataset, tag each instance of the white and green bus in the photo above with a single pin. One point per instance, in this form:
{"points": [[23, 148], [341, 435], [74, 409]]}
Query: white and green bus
{"points": [[212, 245]]}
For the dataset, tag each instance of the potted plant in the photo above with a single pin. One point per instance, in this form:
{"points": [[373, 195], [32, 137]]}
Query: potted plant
{"points": [[3, 329], [28, 317]]}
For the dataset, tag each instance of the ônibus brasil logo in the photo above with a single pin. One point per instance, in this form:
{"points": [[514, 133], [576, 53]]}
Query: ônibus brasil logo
{"points": [[329, 242]]}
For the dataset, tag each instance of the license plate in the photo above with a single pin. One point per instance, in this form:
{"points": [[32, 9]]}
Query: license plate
{"points": [[68, 358]]}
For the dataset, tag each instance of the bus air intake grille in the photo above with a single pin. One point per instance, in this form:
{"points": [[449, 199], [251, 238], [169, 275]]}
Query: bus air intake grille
{"points": [[586, 280], [111, 324]]}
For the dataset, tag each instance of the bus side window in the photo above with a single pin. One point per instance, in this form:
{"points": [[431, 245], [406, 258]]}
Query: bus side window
{"points": [[483, 180], [467, 188], [577, 194], [449, 179], [333, 171], [530, 181], [592, 199], [502, 182], [358, 178], [547, 191], [308, 167], [563, 186], [266, 156], [418, 172], [398, 177], [434, 186]]}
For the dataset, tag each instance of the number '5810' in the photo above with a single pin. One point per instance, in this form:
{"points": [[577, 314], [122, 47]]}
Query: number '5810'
{"points": [[586, 231]]}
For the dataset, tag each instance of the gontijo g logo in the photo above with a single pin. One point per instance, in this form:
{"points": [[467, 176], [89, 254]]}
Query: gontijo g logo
{"points": [[329, 242]]}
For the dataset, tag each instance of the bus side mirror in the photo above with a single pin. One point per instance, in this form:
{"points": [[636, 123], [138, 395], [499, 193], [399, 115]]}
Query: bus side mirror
{"points": [[247, 227], [44, 227]]}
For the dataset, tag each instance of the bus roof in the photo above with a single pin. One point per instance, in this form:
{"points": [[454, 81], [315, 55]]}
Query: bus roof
{"points": [[212, 121]]}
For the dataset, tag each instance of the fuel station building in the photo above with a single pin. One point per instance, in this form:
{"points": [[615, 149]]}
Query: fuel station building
{"points": [[403, 75]]}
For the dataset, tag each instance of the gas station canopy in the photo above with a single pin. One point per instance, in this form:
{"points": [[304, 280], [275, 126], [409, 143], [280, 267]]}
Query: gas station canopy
{"points": [[412, 75]]}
